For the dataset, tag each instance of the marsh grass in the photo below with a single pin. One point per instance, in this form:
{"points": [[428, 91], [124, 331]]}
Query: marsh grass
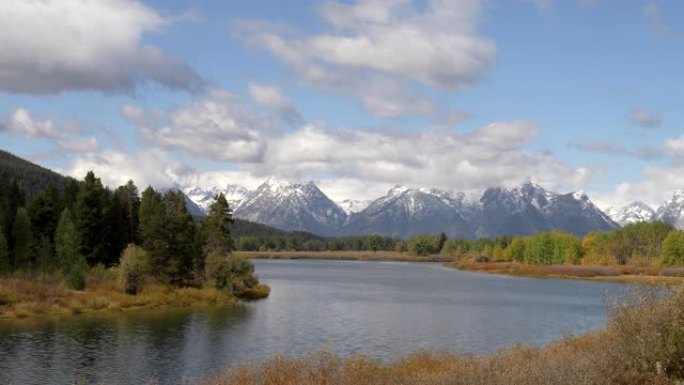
{"points": [[345, 255], [24, 296], [643, 343], [618, 273]]}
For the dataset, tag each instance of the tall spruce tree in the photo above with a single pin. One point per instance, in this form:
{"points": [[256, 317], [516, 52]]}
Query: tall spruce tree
{"points": [[130, 199], [181, 232], [215, 231], [22, 239], [4, 252], [66, 243], [44, 212], [90, 212]]}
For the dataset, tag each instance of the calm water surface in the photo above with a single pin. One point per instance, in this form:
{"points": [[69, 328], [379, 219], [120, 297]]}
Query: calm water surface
{"points": [[379, 309]]}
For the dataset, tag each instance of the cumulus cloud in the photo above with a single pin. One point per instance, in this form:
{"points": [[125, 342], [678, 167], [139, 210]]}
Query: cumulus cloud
{"points": [[271, 97], [433, 42], [51, 46], [488, 156], [149, 167], [644, 118], [64, 135], [219, 126]]}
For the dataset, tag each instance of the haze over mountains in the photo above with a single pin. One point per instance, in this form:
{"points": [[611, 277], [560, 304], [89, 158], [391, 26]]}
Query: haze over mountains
{"points": [[405, 212]]}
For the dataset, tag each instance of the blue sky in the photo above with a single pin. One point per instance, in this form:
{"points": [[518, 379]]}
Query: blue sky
{"points": [[357, 95]]}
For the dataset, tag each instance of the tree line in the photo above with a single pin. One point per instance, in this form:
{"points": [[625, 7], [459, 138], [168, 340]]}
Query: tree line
{"points": [[84, 224], [643, 243]]}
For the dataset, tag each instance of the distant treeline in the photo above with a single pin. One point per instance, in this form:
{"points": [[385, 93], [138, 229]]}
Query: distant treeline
{"points": [[655, 243]]}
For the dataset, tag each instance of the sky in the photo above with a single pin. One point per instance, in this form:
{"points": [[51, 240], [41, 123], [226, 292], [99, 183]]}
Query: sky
{"points": [[357, 95]]}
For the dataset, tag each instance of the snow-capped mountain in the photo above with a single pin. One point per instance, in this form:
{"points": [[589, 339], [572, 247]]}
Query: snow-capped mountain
{"points": [[204, 197], [405, 212], [352, 206], [632, 213], [672, 211], [292, 206], [530, 208]]}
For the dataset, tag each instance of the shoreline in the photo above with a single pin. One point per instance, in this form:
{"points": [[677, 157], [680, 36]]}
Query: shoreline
{"points": [[609, 273], [22, 298], [344, 256]]}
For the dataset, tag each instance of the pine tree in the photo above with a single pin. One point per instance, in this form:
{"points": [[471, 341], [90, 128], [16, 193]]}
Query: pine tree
{"points": [[44, 212], [131, 205], [4, 252], [22, 239], [181, 237], [90, 213], [66, 243], [215, 229]]}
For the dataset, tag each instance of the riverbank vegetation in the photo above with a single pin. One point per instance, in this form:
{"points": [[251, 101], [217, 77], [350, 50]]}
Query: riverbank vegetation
{"points": [[643, 343], [148, 246], [345, 256]]}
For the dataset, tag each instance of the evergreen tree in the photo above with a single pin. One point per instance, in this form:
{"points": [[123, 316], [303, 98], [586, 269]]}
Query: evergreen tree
{"points": [[22, 239], [181, 238], [151, 230], [130, 199], [4, 252], [66, 243], [169, 235], [44, 212], [90, 213], [215, 229], [11, 198]]}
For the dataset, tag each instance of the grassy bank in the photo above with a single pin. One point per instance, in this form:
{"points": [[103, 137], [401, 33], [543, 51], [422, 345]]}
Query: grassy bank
{"points": [[345, 255], [643, 343], [25, 296], [615, 273], [22, 297]]}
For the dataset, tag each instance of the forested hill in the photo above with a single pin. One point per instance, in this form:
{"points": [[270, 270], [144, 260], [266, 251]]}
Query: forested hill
{"points": [[32, 178]]}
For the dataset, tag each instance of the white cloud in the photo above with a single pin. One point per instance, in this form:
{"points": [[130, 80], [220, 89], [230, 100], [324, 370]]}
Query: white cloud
{"points": [[644, 118], [51, 46], [220, 126], [675, 149], [488, 156], [433, 42], [148, 167], [272, 98], [65, 136]]}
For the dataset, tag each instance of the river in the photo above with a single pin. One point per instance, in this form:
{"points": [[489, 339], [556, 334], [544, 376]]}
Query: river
{"points": [[378, 309]]}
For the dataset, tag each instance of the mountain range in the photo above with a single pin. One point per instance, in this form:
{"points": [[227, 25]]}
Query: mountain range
{"points": [[405, 212], [671, 211]]}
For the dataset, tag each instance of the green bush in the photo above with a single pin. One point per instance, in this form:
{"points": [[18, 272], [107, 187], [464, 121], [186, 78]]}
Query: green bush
{"points": [[133, 267], [76, 276]]}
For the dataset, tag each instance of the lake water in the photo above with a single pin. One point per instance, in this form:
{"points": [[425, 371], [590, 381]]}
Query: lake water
{"points": [[379, 309]]}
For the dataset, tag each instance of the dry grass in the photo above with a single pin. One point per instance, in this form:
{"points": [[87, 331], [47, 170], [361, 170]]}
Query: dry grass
{"points": [[24, 297], [589, 272], [345, 255], [256, 292], [643, 343]]}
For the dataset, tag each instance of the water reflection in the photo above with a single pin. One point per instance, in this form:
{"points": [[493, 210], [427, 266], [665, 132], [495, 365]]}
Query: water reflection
{"points": [[377, 309]]}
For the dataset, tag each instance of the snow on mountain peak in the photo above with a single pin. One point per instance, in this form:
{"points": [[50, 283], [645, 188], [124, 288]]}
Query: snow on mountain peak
{"points": [[632, 213], [580, 195]]}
